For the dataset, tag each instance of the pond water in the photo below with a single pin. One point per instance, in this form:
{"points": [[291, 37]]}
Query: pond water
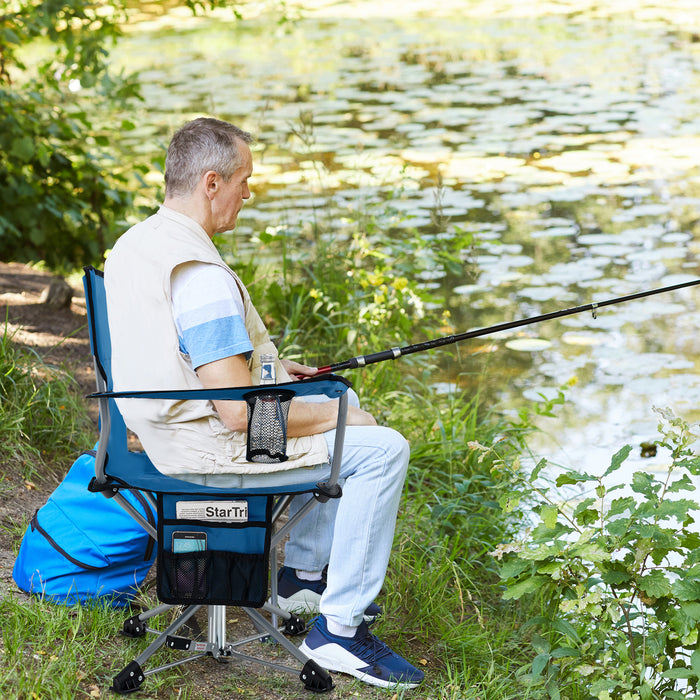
{"points": [[564, 137]]}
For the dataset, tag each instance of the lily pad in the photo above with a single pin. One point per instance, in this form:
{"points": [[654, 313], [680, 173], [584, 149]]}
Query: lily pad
{"points": [[583, 339], [528, 344]]}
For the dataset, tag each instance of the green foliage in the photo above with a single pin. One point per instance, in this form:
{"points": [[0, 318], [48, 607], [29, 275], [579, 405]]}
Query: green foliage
{"points": [[363, 303], [78, 31], [63, 197], [63, 201], [40, 410], [618, 578], [441, 583], [352, 293]]}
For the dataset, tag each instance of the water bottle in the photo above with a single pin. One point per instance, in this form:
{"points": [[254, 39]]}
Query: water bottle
{"points": [[268, 374]]}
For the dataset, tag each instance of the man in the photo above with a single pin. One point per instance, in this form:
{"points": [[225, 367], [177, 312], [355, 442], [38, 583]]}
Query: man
{"points": [[181, 319]]}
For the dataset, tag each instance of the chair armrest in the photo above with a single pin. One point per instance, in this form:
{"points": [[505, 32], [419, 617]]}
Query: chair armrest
{"points": [[329, 385]]}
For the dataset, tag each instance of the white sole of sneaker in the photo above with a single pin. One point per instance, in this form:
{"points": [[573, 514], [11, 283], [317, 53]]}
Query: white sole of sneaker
{"points": [[301, 604], [342, 661]]}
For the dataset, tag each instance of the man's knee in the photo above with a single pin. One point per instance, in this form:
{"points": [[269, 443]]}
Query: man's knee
{"points": [[396, 447]]}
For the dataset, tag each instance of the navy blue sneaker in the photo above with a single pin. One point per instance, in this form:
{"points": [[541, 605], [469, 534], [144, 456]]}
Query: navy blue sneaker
{"points": [[363, 656], [301, 597]]}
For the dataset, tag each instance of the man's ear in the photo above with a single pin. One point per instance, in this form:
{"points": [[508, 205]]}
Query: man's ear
{"points": [[211, 183]]}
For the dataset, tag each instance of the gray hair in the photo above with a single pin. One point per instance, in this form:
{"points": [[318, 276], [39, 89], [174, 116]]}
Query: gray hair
{"points": [[199, 146]]}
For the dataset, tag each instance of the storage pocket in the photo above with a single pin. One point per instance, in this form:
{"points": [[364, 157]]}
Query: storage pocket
{"points": [[184, 577], [214, 578], [214, 563]]}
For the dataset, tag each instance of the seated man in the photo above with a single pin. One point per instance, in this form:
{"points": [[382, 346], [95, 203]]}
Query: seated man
{"points": [[180, 318]]}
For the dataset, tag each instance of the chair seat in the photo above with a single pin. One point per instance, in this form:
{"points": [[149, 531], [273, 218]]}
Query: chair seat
{"points": [[137, 471]]}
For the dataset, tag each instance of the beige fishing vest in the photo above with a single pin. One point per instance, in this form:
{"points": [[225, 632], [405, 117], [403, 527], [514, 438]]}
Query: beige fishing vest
{"points": [[178, 436]]}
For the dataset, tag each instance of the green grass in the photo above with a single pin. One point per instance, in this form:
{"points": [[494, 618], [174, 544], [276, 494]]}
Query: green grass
{"points": [[41, 412], [441, 596], [55, 652]]}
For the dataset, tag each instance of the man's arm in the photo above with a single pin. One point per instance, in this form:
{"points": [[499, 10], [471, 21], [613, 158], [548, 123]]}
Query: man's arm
{"points": [[304, 418]]}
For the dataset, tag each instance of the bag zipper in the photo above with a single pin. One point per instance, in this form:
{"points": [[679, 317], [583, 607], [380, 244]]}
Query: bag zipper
{"points": [[88, 567]]}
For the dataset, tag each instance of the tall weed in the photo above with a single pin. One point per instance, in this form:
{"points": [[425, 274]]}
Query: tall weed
{"points": [[442, 586], [41, 412]]}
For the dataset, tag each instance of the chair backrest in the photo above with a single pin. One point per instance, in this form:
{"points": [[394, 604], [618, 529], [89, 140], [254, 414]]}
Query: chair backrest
{"points": [[113, 434], [100, 342], [114, 460]]}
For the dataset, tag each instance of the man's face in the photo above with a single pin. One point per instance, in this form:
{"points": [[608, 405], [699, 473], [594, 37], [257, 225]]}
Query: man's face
{"points": [[231, 194]]}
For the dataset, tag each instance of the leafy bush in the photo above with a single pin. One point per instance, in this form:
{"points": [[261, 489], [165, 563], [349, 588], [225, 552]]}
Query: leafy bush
{"points": [[62, 198], [618, 577]]}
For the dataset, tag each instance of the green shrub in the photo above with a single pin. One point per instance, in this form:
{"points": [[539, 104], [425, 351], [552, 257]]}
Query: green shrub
{"points": [[618, 578]]}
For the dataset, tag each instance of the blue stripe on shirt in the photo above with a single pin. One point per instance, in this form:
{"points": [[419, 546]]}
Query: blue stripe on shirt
{"points": [[220, 308], [215, 340]]}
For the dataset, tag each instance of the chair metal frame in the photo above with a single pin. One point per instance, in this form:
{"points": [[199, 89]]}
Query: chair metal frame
{"points": [[118, 467]]}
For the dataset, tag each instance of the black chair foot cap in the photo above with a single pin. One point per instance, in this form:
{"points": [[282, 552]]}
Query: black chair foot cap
{"points": [[315, 679], [129, 680], [133, 627], [294, 626]]}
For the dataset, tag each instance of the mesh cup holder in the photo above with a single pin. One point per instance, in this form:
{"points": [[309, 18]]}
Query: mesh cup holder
{"points": [[267, 425]]}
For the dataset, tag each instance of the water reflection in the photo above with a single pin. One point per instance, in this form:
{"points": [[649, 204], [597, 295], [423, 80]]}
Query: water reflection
{"points": [[566, 143]]}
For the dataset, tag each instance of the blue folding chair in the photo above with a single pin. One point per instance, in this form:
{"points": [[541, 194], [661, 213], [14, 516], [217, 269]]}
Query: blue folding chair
{"points": [[204, 560]]}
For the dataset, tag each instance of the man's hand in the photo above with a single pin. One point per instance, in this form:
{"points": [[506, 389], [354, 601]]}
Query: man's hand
{"points": [[298, 371], [356, 416]]}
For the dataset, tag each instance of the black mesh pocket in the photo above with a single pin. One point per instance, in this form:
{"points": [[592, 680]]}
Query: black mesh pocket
{"points": [[213, 577], [267, 425], [186, 576], [239, 579]]}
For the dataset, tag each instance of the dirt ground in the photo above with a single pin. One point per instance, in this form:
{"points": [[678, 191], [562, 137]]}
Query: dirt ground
{"points": [[60, 336]]}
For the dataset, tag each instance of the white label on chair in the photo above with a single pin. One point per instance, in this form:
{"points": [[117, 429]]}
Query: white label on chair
{"points": [[216, 511]]}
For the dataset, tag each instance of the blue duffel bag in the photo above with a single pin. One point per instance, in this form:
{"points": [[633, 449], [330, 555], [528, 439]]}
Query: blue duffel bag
{"points": [[81, 546]]}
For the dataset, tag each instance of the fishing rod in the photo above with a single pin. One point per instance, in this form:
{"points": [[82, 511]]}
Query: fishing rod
{"points": [[394, 353]]}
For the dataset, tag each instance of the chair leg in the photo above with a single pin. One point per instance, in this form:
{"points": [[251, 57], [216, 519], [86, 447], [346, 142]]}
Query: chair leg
{"points": [[135, 627], [273, 583], [133, 675], [216, 634], [312, 675]]}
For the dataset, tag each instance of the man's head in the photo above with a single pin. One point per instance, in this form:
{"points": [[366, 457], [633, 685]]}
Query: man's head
{"points": [[201, 145], [206, 172]]}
